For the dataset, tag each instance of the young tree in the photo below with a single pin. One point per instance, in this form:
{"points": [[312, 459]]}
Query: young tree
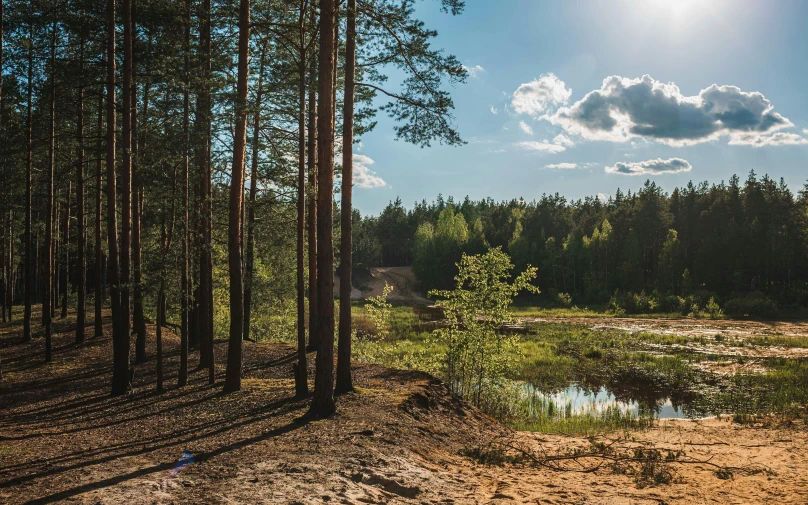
{"points": [[234, 351]]}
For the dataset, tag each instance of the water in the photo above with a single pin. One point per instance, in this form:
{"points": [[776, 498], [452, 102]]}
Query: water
{"points": [[576, 400]]}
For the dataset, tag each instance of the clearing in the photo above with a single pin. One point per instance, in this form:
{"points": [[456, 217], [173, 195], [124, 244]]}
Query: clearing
{"points": [[401, 438]]}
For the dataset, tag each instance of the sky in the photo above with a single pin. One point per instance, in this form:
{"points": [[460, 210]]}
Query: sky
{"points": [[584, 97]]}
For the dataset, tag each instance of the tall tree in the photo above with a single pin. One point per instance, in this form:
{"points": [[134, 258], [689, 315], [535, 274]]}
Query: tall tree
{"points": [[234, 351], [81, 234], [49, 247], [344, 381], [323, 401], [312, 212], [28, 264], [120, 344], [251, 218], [186, 237], [138, 317], [203, 126], [126, 179], [301, 375], [98, 322]]}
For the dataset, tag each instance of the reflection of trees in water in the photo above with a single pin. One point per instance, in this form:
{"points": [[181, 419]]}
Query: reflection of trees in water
{"points": [[649, 391]]}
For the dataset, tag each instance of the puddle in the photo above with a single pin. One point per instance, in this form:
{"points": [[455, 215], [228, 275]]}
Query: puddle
{"points": [[577, 400]]}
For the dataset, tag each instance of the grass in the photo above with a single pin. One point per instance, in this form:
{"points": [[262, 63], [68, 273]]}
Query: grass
{"points": [[640, 368]]}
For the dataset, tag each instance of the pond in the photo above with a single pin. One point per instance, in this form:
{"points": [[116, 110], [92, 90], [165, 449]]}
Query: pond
{"points": [[576, 400]]}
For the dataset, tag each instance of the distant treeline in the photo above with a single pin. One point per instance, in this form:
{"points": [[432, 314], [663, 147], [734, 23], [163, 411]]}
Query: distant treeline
{"points": [[728, 239]]}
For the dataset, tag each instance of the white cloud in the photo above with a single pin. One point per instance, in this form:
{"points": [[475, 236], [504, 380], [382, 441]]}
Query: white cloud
{"points": [[624, 109], [603, 197], [805, 131], [562, 166], [363, 176], [494, 110], [537, 96], [541, 146], [650, 167], [525, 128], [776, 139], [563, 140], [474, 72]]}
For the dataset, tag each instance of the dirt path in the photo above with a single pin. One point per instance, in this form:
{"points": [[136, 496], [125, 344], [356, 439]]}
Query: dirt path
{"points": [[398, 439]]}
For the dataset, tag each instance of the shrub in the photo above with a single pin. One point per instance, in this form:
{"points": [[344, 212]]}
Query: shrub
{"points": [[476, 358], [564, 299], [754, 304]]}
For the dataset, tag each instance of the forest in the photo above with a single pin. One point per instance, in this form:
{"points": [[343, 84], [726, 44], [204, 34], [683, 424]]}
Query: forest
{"points": [[700, 239], [194, 309]]}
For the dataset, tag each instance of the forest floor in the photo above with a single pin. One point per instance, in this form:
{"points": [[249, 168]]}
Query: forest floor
{"points": [[400, 438]]}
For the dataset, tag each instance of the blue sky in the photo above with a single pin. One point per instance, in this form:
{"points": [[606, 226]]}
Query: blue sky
{"points": [[566, 82]]}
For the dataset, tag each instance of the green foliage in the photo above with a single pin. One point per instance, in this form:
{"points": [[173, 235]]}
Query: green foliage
{"points": [[478, 358], [564, 299], [755, 305], [379, 312]]}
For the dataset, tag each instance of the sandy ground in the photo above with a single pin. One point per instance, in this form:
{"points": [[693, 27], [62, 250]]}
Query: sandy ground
{"points": [[400, 438], [404, 285], [685, 326]]}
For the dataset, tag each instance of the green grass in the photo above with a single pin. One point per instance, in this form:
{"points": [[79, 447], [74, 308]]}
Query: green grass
{"points": [[641, 366]]}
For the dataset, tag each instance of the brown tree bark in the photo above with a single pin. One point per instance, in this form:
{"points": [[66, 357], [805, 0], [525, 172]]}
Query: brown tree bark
{"points": [[234, 351], [186, 237], [138, 318], [251, 219], [126, 178], [28, 263], [81, 273], [120, 345], [312, 218], [323, 401], [203, 124], [344, 380], [98, 322], [301, 375], [48, 273], [65, 256]]}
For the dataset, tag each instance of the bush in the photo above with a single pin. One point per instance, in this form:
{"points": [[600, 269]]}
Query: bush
{"points": [[564, 299], [754, 304]]}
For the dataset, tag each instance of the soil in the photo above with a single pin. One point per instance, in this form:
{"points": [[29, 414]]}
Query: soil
{"points": [[404, 286], [400, 438]]}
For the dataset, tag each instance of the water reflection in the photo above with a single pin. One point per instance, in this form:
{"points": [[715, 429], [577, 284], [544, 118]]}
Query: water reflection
{"points": [[577, 400]]}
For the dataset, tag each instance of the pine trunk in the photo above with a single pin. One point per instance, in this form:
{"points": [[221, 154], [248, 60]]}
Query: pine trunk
{"points": [[185, 314], [81, 234], [234, 351], [323, 401], [138, 318], [48, 273], [312, 158], [251, 219], [28, 263], [301, 375], [98, 323], [120, 367], [344, 380], [126, 182]]}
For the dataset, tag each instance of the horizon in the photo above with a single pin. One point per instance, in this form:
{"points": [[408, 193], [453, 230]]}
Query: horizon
{"points": [[531, 63]]}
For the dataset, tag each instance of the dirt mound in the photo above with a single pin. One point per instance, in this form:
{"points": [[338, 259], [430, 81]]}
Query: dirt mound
{"points": [[401, 278]]}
